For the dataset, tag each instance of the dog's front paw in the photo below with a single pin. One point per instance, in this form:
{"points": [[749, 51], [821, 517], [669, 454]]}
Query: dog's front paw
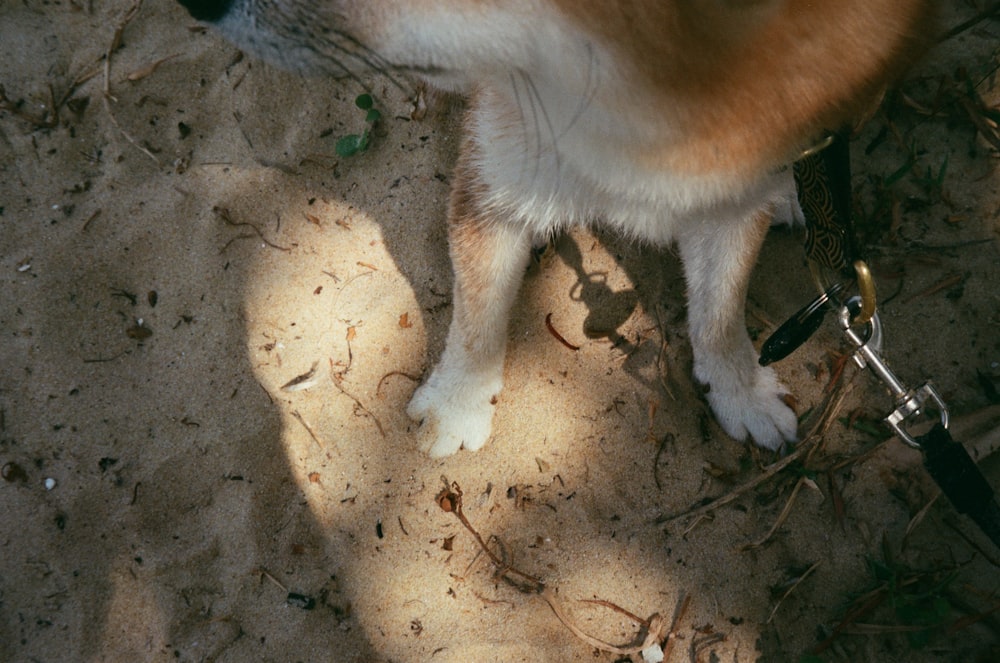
{"points": [[758, 411], [453, 414]]}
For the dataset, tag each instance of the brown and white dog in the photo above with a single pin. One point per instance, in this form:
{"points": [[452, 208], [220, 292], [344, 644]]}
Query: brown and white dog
{"points": [[669, 120]]}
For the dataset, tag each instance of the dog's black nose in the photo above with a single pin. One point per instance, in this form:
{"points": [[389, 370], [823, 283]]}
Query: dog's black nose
{"points": [[207, 10]]}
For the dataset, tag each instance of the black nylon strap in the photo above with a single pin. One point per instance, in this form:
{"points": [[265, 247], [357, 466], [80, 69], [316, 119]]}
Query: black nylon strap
{"points": [[954, 471]]}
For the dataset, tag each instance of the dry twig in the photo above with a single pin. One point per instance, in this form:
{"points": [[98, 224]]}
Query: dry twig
{"points": [[381, 382], [358, 405], [556, 335], [224, 214], [657, 629]]}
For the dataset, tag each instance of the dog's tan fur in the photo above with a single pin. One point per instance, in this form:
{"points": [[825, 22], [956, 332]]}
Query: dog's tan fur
{"points": [[750, 80], [669, 120]]}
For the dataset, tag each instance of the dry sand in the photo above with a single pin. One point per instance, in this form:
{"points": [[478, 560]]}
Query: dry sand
{"points": [[172, 253]]}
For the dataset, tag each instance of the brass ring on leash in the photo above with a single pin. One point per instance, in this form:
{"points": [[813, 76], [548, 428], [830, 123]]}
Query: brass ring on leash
{"points": [[818, 147], [866, 288]]}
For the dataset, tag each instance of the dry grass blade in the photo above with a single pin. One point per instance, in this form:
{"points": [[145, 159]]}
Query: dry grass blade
{"points": [[116, 41], [744, 488], [782, 517], [668, 438], [945, 283], [617, 608], [976, 109], [863, 606], [312, 434], [975, 618], [791, 589], [918, 518]]}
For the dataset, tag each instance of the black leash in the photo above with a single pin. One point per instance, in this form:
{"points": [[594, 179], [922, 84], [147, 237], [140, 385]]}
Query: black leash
{"points": [[823, 180], [960, 480]]}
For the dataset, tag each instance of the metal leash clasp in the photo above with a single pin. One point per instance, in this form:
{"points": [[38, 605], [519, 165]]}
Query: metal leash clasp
{"points": [[909, 402]]}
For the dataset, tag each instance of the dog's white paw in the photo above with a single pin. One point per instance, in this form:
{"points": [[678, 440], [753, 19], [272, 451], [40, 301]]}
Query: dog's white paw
{"points": [[758, 410], [453, 413]]}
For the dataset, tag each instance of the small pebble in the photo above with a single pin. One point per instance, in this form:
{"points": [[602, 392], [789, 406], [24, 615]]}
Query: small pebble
{"points": [[301, 601], [652, 654], [50, 483]]}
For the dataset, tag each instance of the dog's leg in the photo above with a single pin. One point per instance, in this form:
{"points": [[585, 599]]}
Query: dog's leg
{"points": [[787, 210], [489, 257], [745, 397]]}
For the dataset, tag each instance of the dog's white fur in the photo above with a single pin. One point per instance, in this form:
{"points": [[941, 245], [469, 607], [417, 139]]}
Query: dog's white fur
{"points": [[669, 121]]}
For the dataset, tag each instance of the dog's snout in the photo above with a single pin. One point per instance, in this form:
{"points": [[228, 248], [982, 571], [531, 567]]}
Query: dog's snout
{"points": [[207, 10]]}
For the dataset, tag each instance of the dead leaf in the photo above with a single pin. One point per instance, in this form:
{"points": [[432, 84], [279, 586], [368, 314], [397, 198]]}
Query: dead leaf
{"points": [[302, 382], [138, 332], [446, 500], [404, 321]]}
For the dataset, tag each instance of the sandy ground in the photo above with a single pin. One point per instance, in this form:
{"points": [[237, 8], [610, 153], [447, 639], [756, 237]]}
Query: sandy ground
{"points": [[174, 252]]}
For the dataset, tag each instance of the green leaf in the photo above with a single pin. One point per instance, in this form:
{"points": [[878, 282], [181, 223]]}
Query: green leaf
{"points": [[364, 101], [350, 145], [373, 115], [902, 171]]}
